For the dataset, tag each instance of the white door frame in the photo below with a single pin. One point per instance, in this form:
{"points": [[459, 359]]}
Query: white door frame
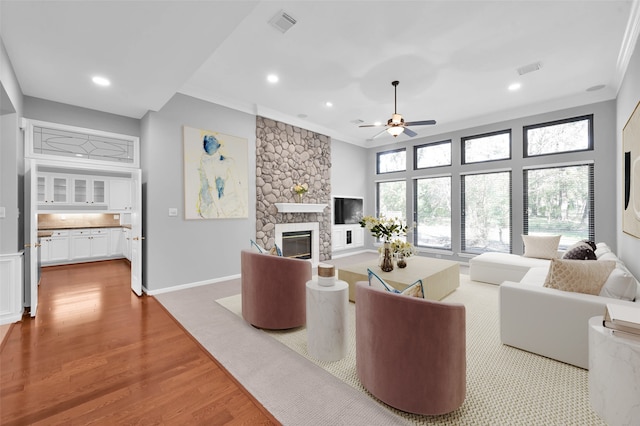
{"points": [[31, 220]]}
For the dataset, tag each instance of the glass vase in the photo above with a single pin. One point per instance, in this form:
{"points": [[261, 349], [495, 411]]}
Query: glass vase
{"points": [[386, 263], [401, 262]]}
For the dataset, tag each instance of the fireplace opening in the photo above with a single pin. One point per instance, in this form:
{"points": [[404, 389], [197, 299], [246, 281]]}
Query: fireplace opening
{"points": [[297, 244]]}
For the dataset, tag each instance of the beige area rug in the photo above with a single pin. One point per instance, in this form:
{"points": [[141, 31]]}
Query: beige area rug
{"points": [[505, 386]]}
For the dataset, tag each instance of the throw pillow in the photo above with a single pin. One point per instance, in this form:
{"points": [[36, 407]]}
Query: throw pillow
{"points": [[591, 244], [602, 248], [414, 290], [578, 276], [541, 246], [580, 251], [620, 285], [255, 247]]}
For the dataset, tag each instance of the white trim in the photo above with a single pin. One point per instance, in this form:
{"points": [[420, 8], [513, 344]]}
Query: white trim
{"points": [[189, 285], [300, 207], [440, 175], [29, 153], [629, 42]]}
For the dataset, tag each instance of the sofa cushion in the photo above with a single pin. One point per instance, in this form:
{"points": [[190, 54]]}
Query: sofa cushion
{"points": [[541, 246], [578, 276], [620, 285], [580, 251], [414, 290]]}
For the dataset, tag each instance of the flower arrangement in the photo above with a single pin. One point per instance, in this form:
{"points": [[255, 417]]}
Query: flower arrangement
{"points": [[384, 228], [404, 248], [300, 188]]}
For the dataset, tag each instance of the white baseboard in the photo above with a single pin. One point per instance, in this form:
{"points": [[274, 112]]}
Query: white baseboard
{"points": [[188, 285]]}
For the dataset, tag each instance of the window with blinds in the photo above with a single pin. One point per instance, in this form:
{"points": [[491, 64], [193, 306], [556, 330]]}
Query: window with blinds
{"points": [[559, 200]]}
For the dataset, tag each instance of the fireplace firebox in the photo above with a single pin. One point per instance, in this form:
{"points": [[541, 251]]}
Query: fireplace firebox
{"points": [[297, 244]]}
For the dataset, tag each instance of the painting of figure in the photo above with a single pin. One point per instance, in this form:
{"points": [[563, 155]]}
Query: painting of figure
{"points": [[631, 174], [215, 175]]}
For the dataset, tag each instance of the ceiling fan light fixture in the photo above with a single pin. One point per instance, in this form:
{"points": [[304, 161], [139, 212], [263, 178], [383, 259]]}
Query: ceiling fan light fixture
{"points": [[395, 130]]}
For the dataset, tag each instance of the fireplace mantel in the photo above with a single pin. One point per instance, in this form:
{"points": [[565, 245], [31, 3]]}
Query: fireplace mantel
{"points": [[300, 207]]}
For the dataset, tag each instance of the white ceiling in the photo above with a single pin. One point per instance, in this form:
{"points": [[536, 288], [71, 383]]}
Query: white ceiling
{"points": [[454, 59]]}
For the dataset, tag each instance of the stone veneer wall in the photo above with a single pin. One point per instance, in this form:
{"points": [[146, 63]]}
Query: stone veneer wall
{"points": [[287, 155]]}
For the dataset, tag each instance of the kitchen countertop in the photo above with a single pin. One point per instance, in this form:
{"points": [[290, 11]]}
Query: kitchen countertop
{"points": [[45, 234]]}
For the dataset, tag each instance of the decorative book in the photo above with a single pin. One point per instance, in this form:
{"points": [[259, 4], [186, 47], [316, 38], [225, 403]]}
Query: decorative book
{"points": [[623, 318]]}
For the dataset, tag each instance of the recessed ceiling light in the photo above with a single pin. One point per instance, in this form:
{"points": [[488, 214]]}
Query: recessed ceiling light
{"points": [[101, 81], [514, 86], [377, 123], [272, 78], [329, 104]]}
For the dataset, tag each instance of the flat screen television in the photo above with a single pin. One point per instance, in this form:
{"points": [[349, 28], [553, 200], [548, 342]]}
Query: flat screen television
{"points": [[347, 210]]}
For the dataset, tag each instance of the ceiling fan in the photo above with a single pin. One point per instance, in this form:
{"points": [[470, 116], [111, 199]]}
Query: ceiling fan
{"points": [[396, 124]]}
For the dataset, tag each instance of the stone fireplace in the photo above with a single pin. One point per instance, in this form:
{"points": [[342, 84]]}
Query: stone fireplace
{"points": [[287, 155]]}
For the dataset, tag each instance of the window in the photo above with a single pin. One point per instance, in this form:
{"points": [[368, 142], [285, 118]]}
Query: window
{"points": [[392, 161], [392, 199], [487, 147], [486, 212], [433, 212], [574, 134], [433, 155], [559, 200]]}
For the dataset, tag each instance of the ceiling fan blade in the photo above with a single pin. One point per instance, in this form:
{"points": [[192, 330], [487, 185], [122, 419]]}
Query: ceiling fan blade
{"points": [[371, 125], [379, 134], [410, 132], [420, 123]]}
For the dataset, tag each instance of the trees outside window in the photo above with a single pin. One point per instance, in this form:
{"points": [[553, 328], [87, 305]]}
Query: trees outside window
{"points": [[433, 212], [392, 199], [488, 147], [392, 161], [574, 134], [486, 212], [559, 201], [433, 155]]}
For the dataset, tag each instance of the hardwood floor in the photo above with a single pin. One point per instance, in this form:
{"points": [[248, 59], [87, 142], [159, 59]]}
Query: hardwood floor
{"points": [[98, 354]]}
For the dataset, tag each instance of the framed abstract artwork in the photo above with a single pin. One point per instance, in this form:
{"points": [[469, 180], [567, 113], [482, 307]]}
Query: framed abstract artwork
{"points": [[215, 175], [631, 174]]}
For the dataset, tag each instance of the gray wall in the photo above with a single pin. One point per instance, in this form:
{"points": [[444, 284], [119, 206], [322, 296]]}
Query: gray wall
{"points": [[628, 98], [11, 157], [55, 112], [604, 153], [179, 251]]}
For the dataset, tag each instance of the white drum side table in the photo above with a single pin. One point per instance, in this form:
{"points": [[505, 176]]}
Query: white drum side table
{"points": [[614, 375], [327, 320]]}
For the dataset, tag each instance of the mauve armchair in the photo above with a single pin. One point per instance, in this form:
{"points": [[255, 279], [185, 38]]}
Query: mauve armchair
{"points": [[411, 352], [274, 290]]}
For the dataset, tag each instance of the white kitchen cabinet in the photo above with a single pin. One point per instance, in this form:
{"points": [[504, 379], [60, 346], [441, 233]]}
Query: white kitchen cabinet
{"points": [[100, 242], [89, 243], [120, 194], [53, 189], [80, 244], [116, 242], [55, 249], [89, 191]]}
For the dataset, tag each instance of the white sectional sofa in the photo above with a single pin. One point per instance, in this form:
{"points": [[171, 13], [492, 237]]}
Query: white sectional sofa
{"points": [[545, 321]]}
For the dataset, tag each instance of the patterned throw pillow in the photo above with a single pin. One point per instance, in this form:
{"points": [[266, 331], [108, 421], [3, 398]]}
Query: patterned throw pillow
{"points": [[255, 247], [580, 251], [578, 276], [414, 290], [541, 246]]}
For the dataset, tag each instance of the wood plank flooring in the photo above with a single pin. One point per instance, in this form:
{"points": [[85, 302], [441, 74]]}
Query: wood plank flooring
{"points": [[98, 354]]}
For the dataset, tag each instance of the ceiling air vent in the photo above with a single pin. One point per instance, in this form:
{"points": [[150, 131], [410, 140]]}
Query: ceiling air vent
{"points": [[529, 68], [282, 21], [357, 121]]}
